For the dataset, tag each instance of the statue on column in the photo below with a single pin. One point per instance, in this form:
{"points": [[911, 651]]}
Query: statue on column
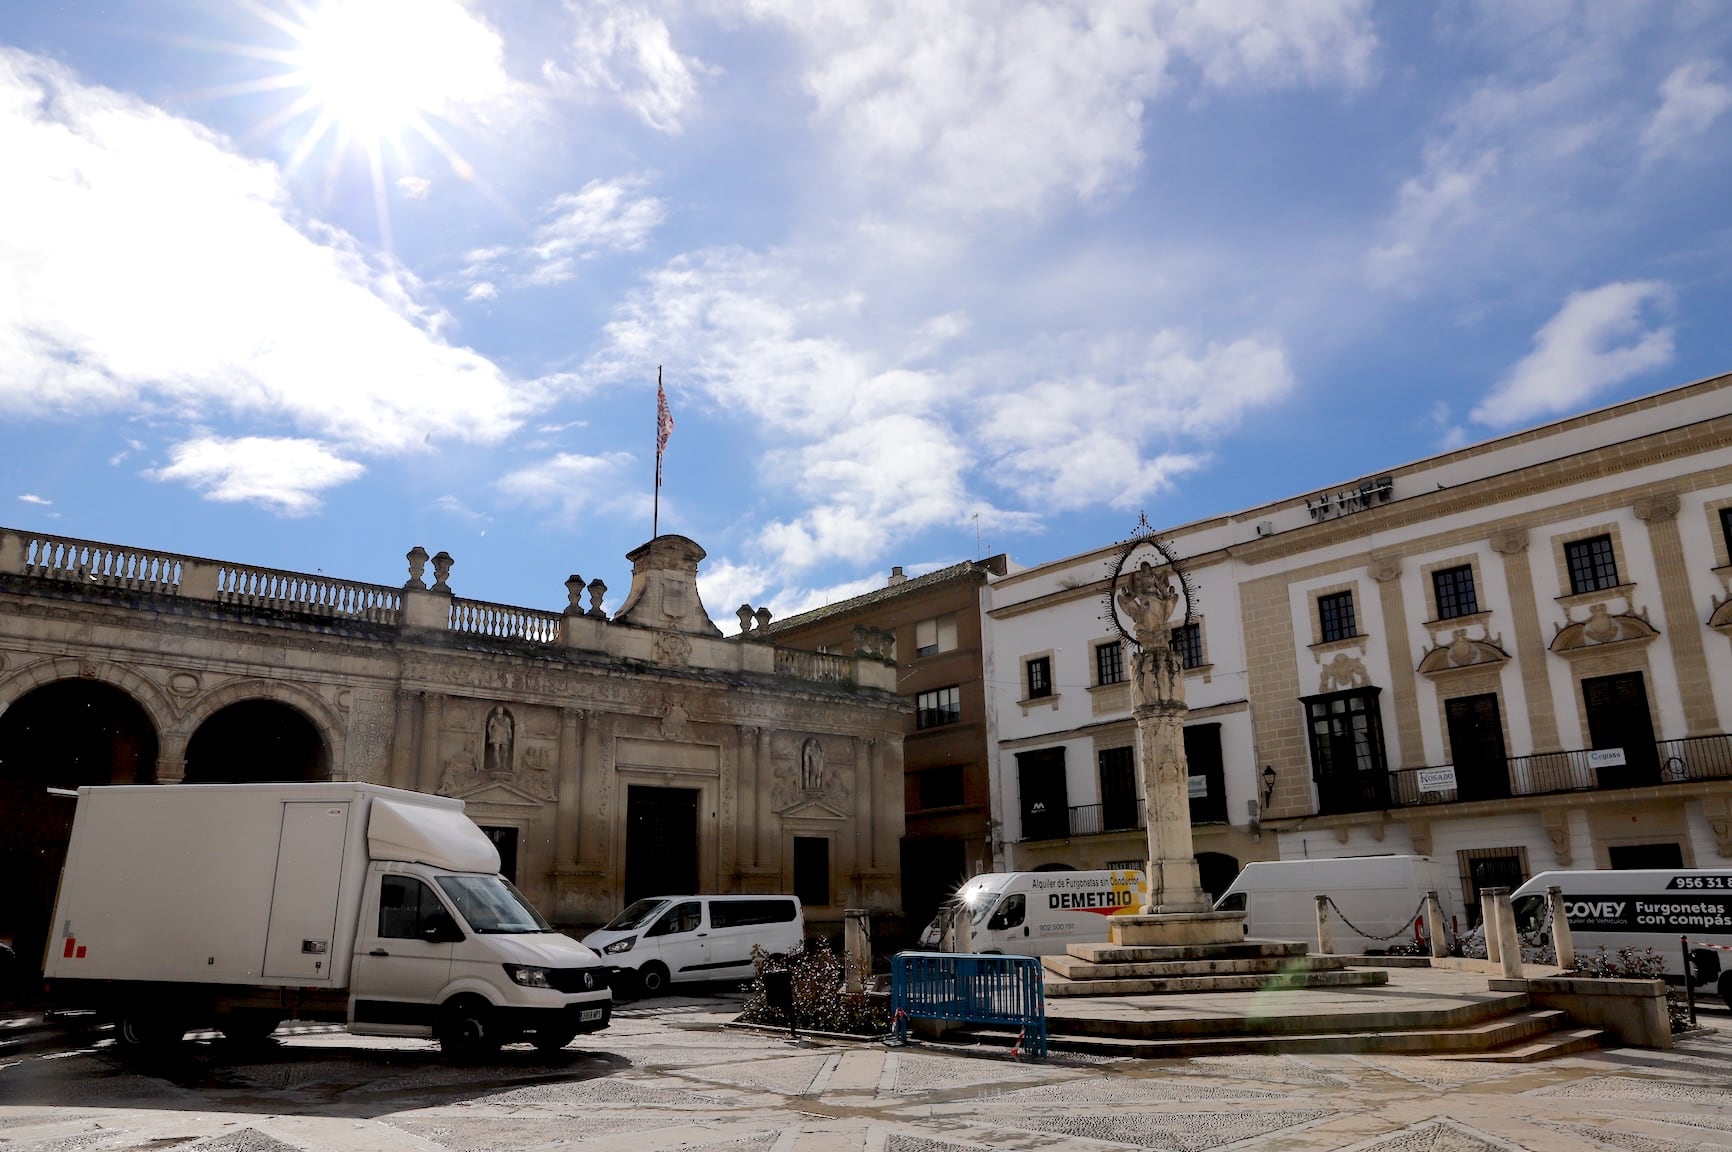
{"points": [[1148, 597]]}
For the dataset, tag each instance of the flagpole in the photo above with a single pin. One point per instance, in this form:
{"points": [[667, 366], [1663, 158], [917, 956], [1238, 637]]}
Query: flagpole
{"points": [[656, 513]]}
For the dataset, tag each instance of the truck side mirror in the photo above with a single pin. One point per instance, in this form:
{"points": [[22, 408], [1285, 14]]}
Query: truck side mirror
{"points": [[439, 928]]}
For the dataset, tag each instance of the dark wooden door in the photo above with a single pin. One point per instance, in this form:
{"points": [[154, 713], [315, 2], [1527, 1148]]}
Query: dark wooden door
{"points": [[1118, 789], [1203, 755], [1045, 798], [1476, 744], [1618, 717], [661, 842]]}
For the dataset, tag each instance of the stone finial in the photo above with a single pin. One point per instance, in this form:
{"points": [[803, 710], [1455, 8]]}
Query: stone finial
{"points": [[596, 591], [417, 558], [664, 588], [744, 612], [574, 595], [442, 571], [763, 616]]}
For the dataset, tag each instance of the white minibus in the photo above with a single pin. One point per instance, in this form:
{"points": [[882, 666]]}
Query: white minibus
{"points": [[681, 938], [1039, 913]]}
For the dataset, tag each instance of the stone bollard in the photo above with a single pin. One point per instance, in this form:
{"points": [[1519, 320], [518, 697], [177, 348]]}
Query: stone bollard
{"points": [[1434, 926], [1509, 940], [857, 949], [1325, 931], [1562, 941], [1488, 924]]}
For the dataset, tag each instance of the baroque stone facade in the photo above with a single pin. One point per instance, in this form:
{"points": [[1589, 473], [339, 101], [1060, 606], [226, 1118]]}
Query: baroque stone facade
{"points": [[547, 725]]}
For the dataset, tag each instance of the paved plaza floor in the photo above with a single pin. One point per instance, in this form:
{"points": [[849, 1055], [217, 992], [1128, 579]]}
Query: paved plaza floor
{"points": [[667, 1075]]}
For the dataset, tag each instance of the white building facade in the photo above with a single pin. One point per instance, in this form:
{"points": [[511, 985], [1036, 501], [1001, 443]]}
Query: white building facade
{"points": [[1514, 656]]}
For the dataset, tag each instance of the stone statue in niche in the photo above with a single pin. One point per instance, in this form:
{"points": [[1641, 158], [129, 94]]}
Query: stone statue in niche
{"points": [[501, 735], [811, 765]]}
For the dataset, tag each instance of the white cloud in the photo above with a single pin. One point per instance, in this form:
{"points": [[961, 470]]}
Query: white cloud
{"points": [[568, 482], [623, 51], [453, 506], [1599, 338], [971, 107], [1441, 199], [414, 187], [131, 244], [604, 214], [481, 290], [283, 474], [33, 498], [1692, 97]]}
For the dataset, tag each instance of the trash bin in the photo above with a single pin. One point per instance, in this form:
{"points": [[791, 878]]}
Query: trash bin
{"points": [[779, 993]]}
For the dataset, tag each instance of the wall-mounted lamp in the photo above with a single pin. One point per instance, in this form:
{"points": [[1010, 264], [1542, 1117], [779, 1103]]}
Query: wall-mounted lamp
{"points": [[1268, 784]]}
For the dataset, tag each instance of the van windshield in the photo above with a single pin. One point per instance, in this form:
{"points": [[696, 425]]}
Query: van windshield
{"points": [[636, 915], [491, 905], [1530, 913], [1231, 902]]}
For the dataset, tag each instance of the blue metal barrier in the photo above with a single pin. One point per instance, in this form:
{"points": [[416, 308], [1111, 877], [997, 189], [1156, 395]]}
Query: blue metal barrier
{"points": [[972, 989]]}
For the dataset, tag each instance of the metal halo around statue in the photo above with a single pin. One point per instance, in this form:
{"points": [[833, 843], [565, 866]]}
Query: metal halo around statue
{"points": [[1145, 544]]}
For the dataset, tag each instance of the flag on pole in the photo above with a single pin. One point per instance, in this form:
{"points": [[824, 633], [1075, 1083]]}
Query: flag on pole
{"points": [[664, 425]]}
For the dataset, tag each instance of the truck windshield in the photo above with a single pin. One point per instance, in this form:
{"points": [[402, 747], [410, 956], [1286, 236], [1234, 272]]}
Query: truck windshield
{"points": [[491, 905], [635, 916], [1530, 913]]}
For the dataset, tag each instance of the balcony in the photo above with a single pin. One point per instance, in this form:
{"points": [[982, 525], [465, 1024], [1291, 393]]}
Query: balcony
{"points": [[1548, 774], [1085, 820]]}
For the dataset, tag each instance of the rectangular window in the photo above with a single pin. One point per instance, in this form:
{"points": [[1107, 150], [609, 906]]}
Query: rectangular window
{"points": [[1110, 663], [936, 635], [504, 839], [1118, 789], [1335, 613], [1455, 594], [1187, 641], [741, 913], [937, 707], [1347, 757], [812, 870], [1483, 868], [1592, 564], [1040, 777], [1207, 785], [940, 787], [1039, 677]]}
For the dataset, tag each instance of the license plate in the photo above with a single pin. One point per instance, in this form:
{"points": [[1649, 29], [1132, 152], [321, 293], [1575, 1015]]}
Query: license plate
{"points": [[588, 1014]]}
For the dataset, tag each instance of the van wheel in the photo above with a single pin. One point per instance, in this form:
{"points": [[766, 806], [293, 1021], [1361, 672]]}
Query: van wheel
{"points": [[653, 978], [249, 1027], [1725, 987], [146, 1032], [467, 1029], [552, 1039]]}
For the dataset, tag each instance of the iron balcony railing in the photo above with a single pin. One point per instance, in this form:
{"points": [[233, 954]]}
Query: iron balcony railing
{"points": [[1542, 774]]}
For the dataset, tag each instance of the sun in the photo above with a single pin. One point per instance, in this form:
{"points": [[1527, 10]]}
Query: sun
{"points": [[365, 75]]}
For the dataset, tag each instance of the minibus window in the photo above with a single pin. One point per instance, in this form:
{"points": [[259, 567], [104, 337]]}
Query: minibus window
{"points": [[680, 918], [635, 916], [1530, 913]]}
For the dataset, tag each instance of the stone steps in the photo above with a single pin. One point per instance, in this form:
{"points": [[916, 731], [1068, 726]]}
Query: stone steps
{"points": [[1148, 954], [1062, 1018], [1527, 1035], [1126, 985], [1072, 968]]}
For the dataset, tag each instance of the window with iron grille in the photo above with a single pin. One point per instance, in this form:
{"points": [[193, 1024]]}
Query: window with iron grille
{"points": [[1039, 677], [1455, 593], [1592, 564], [1483, 868], [1110, 663], [939, 706], [1187, 641], [1335, 614]]}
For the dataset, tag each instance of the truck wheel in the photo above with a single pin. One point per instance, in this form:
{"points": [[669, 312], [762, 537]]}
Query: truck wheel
{"points": [[249, 1027], [146, 1032], [653, 978], [1725, 987], [467, 1028], [552, 1039]]}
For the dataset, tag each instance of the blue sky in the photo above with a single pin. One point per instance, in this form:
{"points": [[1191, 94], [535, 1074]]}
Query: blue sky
{"points": [[305, 285]]}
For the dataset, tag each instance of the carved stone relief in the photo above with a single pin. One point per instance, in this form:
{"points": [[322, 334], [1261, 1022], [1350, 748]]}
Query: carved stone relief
{"points": [[370, 722], [1462, 652], [1601, 628], [803, 772], [676, 723], [1510, 541], [672, 649], [1343, 672]]}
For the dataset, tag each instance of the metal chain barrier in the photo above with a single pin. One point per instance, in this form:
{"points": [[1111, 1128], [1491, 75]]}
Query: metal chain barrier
{"points": [[1405, 927]]}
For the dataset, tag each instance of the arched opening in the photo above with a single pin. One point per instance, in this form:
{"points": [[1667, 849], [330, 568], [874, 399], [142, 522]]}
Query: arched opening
{"points": [[62, 735], [256, 742], [1216, 872], [1055, 866]]}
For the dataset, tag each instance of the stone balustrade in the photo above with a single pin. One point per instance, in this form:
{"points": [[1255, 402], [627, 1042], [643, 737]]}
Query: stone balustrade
{"points": [[291, 599]]}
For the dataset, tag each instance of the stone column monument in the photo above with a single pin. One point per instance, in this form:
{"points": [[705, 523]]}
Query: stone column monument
{"points": [[1178, 911]]}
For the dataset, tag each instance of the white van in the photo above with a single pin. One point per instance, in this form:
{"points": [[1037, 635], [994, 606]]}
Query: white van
{"points": [[237, 906], [667, 938], [1640, 908], [1374, 894], [1040, 913]]}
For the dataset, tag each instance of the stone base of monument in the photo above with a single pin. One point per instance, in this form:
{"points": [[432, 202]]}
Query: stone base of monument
{"points": [[1198, 952]]}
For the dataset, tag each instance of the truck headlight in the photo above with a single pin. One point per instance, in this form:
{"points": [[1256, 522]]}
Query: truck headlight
{"points": [[620, 945], [528, 975]]}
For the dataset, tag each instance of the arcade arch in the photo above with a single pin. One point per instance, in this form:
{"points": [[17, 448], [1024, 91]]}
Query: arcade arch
{"points": [[257, 741]]}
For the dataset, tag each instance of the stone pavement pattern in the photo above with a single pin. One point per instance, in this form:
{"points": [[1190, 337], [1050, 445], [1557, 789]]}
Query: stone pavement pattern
{"points": [[668, 1076]]}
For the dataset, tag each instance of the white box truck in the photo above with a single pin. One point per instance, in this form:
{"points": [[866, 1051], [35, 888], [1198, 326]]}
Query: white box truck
{"points": [[1375, 899], [1038, 913], [237, 906], [1640, 908]]}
